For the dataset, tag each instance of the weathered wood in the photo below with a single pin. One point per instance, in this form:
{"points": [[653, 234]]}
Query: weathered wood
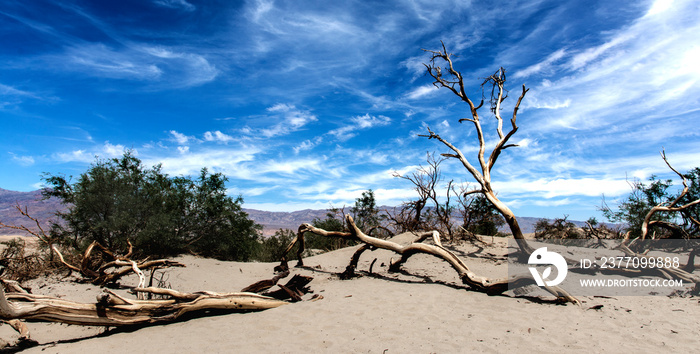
{"points": [[479, 283], [263, 285], [349, 272], [452, 79], [670, 207], [294, 289], [111, 309]]}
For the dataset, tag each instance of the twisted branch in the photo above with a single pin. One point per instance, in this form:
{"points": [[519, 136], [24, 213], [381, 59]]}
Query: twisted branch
{"points": [[476, 282], [671, 206]]}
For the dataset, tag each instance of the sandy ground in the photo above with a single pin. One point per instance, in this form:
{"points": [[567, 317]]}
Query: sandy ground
{"points": [[28, 239], [422, 310]]}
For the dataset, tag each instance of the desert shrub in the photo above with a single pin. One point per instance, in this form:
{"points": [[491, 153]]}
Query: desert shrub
{"points": [[632, 210], [365, 212], [272, 248], [119, 201], [559, 228], [330, 223], [20, 263], [481, 217]]}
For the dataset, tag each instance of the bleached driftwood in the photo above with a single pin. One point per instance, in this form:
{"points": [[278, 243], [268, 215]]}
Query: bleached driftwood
{"points": [[480, 283], [111, 309]]}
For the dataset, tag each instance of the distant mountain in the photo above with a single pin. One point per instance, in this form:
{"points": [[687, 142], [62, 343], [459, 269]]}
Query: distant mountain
{"points": [[273, 221], [44, 211]]}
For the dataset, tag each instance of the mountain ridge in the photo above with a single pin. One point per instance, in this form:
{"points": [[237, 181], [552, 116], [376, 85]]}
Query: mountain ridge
{"points": [[44, 210]]}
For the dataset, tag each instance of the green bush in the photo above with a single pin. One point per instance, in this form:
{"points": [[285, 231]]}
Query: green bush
{"points": [[272, 248], [330, 223], [119, 201], [632, 210]]}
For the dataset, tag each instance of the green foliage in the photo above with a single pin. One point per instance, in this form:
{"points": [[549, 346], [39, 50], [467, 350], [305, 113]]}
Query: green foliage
{"points": [[560, 228], [693, 213], [632, 210], [119, 200], [330, 223], [482, 217], [365, 212], [272, 248]]}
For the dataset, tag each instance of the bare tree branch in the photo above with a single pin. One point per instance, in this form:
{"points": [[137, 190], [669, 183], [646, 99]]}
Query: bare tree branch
{"points": [[671, 207], [455, 83], [479, 283]]}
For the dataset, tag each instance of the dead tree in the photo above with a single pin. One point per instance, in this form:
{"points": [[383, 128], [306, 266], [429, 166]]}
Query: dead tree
{"points": [[98, 264], [425, 181], [672, 206], [448, 77], [468, 277], [113, 310], [108, 267], [41, 235]]}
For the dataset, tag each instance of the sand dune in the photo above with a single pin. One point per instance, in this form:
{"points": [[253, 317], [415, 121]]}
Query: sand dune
{"points": [[422, 310]]}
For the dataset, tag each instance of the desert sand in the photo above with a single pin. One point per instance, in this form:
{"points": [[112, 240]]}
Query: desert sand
{"points": [[424, 309]]}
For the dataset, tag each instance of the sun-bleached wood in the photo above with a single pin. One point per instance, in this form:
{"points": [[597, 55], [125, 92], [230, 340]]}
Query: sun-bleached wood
{"points": [[452, 79], [113, 310], [477, 282]]}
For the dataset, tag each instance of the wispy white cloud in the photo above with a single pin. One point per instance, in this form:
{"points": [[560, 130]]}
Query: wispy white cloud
{"points": [[421, 91], [22, 160], [11, 96], [6, 90], [251, 192], [175, 4], [229, 161], [621, 78], [112, 150], [179, 137], [290, 167], [366, 121], [186, 69], [158, 67], [218, 136], [307, 144], [287, 118], [562, 187], [104, 151], [100, 60], [539, 67]]}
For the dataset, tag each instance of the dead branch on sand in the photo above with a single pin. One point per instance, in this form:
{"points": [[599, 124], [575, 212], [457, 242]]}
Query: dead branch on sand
{"points": [[113, 310], [474, 281]]}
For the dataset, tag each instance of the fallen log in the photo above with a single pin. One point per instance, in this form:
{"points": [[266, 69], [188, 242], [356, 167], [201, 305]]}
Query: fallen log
{"points": [[474, 281], [113, 310]]}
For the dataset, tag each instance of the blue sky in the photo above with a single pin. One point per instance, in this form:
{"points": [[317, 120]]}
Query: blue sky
{"points": [[305, 104]]}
